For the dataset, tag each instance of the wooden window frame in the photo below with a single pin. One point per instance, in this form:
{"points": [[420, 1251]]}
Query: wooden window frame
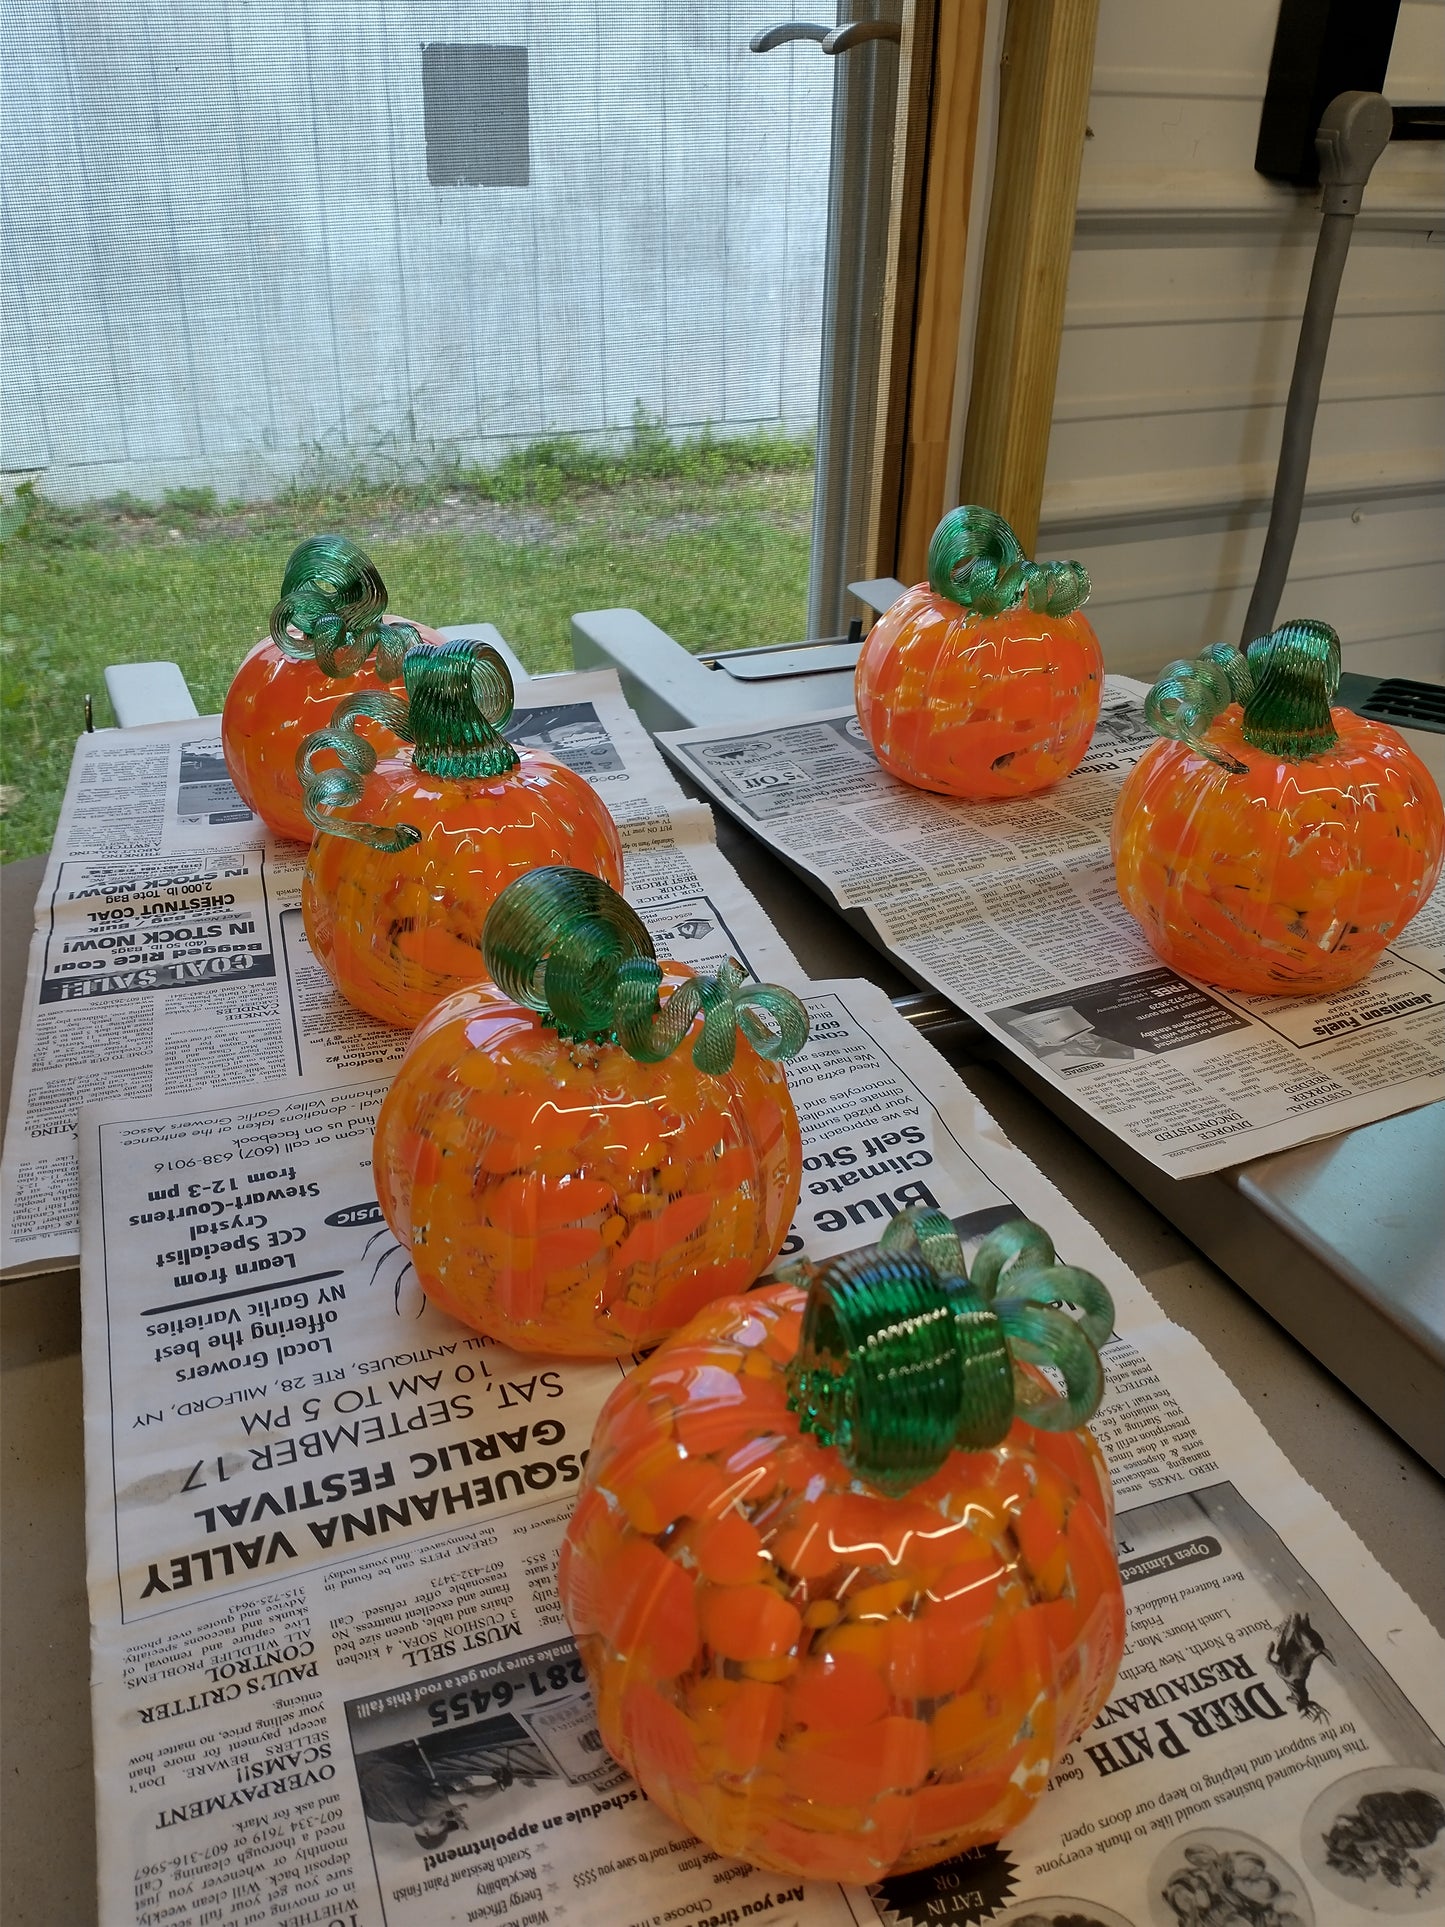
{"points": [[1045, 71]]}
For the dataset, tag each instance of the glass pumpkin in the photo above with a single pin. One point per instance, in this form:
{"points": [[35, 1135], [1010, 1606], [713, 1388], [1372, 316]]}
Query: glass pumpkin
{"points": [[835, 1628], [566, 1177], [985, 680], [1272, 844], [394, 905], [323, 631]]}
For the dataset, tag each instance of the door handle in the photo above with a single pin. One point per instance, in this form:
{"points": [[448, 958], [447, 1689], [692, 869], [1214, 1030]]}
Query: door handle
{"points": [[833, 40], [770, 37], [842, 38]]}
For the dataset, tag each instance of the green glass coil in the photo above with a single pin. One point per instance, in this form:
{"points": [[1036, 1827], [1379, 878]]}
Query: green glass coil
{"points": [[1296, 672], [905, 1357], [564, 943], [458, 698], [1285, 682], [975, 559], [333, 596]]}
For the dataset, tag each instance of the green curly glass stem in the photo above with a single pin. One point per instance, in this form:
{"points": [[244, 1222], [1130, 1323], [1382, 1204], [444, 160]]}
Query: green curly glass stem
{"points": [[1296, 672], [332, 594], [461, 699], [1284, 681], [458, 694], [974, 559], [904, 1357], [338, 785], [564, 943]]}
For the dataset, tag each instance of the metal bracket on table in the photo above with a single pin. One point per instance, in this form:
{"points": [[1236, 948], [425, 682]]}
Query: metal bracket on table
{"points": [[147, 692], [670, 688]]}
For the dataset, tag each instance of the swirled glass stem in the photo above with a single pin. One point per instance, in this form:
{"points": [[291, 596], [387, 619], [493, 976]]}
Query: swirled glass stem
{"points": [[975, 559], [331, 608], [1285, 682], [338, 785], [904, 1358], [1296, 671], [563, 943], [1189, 698], [459, 694]]}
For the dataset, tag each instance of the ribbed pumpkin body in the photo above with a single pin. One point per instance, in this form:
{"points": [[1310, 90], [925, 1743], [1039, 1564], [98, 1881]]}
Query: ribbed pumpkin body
{"points": [[1289, 878], [978, 706], [567, 1199], [805, 1673], [273, 703], [398, 931]]}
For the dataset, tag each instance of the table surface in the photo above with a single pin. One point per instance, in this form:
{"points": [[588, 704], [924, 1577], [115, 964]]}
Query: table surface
{"points": [[47, 1873]]}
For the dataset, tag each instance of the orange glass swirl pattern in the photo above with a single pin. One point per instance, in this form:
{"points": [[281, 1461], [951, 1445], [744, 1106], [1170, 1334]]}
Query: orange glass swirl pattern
{"points": [[565, 1198], [398, 931], [273, 702], [1290, 878], [978, 706], [807, 1674]]}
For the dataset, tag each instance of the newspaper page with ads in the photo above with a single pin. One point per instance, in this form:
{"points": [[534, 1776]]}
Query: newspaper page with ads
{"points": [[1011, 910], [169, 956], [332, 1682]]}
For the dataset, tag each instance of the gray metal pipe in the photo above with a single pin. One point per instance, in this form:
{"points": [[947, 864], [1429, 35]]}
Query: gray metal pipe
{"points": [[1353, 134]]}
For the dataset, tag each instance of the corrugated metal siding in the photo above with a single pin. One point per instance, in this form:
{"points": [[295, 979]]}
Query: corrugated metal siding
{"points": [[224, 258], [1185, 291]]}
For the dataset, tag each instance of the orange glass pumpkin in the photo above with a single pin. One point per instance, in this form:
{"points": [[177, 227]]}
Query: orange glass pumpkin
{"points": [[323, 631], [1273, 844], [394, 905], [985, 680], [565, 1176], [837, 1628]]}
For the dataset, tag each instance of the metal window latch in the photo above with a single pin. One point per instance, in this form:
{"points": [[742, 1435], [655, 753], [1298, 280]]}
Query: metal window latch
{"points": [[833, 40]]}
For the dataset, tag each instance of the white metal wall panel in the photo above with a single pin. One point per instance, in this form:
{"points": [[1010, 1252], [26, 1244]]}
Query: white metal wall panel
{"points": [[225, 261], [1185, 291]]}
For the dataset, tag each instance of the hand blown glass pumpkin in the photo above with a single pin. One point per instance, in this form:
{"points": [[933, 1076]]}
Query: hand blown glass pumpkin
{"points": [[842, 1571], [394, 905], [565, 1176], [985, 680], [330, 619], [1272, 844]]}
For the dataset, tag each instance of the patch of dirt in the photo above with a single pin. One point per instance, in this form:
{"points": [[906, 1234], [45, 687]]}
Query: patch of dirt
{"points": [[498, 519], [636, 512], [528, 526]]}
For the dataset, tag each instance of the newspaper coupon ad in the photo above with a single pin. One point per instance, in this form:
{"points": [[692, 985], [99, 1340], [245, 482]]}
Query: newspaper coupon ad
{"points": [[333, 1686], [169, 955], [1010, 909]]}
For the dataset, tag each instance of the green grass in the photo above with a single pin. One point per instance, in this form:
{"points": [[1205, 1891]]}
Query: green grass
{"points": [[709, 538]]}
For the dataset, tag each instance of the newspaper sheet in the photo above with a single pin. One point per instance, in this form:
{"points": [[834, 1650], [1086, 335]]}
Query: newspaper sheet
{"points": [[333, 1684], [1010, 909], [169, 956]]}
